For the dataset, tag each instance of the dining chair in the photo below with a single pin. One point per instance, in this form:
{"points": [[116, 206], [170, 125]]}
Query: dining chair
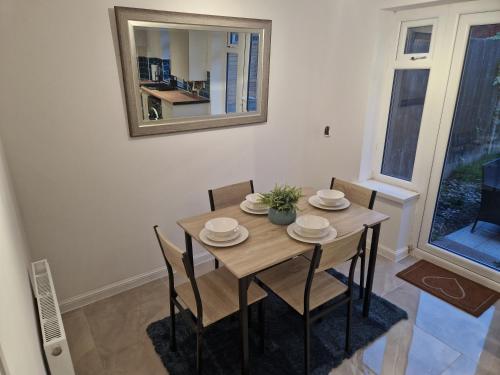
{"points": [[229, 195], [364, 197], [307, 287], [209, 298]]}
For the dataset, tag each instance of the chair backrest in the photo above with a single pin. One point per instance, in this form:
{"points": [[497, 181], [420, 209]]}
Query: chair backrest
{"points": [[229, 195], [358, 194], [340, 250], [171, 253], [491, 174], [177, 259]]}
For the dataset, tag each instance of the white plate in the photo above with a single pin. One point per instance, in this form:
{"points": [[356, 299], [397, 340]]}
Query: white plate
{"points": [[242, 237], [315, 201], [320, 201], [244, 207], [235, 235], [332, 234], [299, 232]]}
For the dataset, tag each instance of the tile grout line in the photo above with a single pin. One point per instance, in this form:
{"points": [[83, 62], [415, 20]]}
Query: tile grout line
{"points": [[452, 363], [99, 355]]}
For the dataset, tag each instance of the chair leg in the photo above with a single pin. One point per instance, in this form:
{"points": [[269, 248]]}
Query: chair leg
{"points": [[199, 343], [173, 343], [362, 273], [348, 327], [262, 325], [307, 344], [216, 263], [474, 226]]}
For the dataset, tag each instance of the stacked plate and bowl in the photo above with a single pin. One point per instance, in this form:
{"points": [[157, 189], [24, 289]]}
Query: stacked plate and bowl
{"points": [[311, 229], [329, 199], [253, 205], [223, 232]]}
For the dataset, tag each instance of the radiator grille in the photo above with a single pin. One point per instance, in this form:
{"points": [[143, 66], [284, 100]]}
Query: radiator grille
{"points": [[43, 285], [47, 307], [50, 317]]}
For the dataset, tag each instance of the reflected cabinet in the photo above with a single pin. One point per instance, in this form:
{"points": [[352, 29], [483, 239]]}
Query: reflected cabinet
{"points": [[185, 72]]}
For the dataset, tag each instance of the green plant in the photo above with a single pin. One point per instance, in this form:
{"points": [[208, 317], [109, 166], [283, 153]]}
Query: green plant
{"points": [[282, 198]]}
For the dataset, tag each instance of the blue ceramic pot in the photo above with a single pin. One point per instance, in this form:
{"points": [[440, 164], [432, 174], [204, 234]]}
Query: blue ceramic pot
{"points": [[281, 217]]}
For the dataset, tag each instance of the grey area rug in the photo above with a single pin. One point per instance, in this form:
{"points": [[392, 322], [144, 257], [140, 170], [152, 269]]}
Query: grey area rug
{"points": [[284, 344]]}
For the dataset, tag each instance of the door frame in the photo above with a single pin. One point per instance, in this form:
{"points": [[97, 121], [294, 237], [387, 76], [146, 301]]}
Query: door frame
{"points": [[463, 22]]}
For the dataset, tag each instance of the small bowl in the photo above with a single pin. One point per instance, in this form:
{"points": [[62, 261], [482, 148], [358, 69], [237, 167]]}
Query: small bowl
{"points": [[312, 225], [253, 201], [330, 197], [221, 228]]}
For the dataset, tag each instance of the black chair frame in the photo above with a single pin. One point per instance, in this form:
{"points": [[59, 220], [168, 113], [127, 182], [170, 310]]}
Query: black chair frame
{"points": [[363, 246], [489, 208], [196, 322], [309, 317]]}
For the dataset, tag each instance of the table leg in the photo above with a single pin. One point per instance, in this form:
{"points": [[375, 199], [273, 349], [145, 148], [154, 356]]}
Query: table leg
{"points": [[371, 269], [243, 284], [189, 247]]}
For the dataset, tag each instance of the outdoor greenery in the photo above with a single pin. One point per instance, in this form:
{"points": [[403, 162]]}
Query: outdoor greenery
{"points": [[282, 198], [459, 198], [473, 172]]}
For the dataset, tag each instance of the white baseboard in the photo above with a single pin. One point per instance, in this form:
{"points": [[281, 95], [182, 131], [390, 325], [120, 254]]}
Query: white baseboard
{"points": [[117, 287], [462, 271], [388, 253]]}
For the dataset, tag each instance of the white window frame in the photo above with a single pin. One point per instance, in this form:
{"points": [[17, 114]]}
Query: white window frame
{"points": [[396, 59], [411, 57]]}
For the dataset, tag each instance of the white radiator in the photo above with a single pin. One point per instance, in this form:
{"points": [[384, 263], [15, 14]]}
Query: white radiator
{"points": [[53, 335]]}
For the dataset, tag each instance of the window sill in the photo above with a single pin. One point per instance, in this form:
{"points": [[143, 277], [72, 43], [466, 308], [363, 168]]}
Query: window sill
{"points": [[390, 192]]}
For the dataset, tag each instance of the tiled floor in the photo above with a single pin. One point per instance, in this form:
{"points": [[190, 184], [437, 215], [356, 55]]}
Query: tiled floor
{"points": [[486, 237], [483, 244], [109, 338]]}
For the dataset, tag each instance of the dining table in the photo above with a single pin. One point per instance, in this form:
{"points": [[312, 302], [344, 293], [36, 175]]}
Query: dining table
{"points": [[269, 244]]}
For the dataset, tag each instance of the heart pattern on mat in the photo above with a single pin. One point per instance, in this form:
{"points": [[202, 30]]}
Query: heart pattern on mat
{"points": [[447, 285]]}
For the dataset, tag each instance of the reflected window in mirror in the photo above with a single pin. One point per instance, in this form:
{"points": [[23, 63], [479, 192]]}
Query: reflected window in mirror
{"points": [[233, 39]]}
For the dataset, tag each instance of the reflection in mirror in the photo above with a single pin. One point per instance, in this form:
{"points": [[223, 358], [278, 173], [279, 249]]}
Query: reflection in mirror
{"points": [[194, 72]]}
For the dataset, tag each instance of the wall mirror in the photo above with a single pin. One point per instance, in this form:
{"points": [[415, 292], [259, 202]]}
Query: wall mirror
{"points": [[185, 72]]}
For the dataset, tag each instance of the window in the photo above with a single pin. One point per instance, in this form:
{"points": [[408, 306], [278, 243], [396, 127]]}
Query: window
{"points": [[231, 82], [233, 39], [403, 127], [253, 70], [418, 39], [412, 68]]}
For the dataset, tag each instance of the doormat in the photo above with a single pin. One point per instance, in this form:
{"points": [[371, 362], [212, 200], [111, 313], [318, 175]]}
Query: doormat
{"points": [[458, 291]]}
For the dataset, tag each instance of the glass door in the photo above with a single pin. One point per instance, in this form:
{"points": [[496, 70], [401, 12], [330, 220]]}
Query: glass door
{"points": [[462, 213]]}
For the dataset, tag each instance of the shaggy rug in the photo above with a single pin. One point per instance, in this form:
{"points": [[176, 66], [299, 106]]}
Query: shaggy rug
{"points": [[284, 343]]}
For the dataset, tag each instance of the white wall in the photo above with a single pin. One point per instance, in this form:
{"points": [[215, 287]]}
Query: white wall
{"points": [[343, 77], [217, 57], [19, 340], [90, 195]]}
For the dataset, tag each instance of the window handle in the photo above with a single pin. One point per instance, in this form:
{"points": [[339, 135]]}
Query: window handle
{"points": [[413, 58]]}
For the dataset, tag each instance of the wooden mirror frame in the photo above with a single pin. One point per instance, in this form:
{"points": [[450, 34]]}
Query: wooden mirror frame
{"points": [[137, 127]]}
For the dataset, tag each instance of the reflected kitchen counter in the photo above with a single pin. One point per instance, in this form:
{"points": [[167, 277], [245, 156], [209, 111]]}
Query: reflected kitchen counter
{"points": [[175, 97]]}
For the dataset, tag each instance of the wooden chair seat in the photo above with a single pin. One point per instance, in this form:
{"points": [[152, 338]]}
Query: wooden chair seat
{"points": [[219, 295], [288, 281]]}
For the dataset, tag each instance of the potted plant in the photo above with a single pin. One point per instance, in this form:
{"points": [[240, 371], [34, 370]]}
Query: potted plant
{"points": [[282, 202]]}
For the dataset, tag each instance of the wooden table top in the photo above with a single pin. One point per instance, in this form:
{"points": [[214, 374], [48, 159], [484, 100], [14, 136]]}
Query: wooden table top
{"points": [[269, 244], [175, 96]]}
